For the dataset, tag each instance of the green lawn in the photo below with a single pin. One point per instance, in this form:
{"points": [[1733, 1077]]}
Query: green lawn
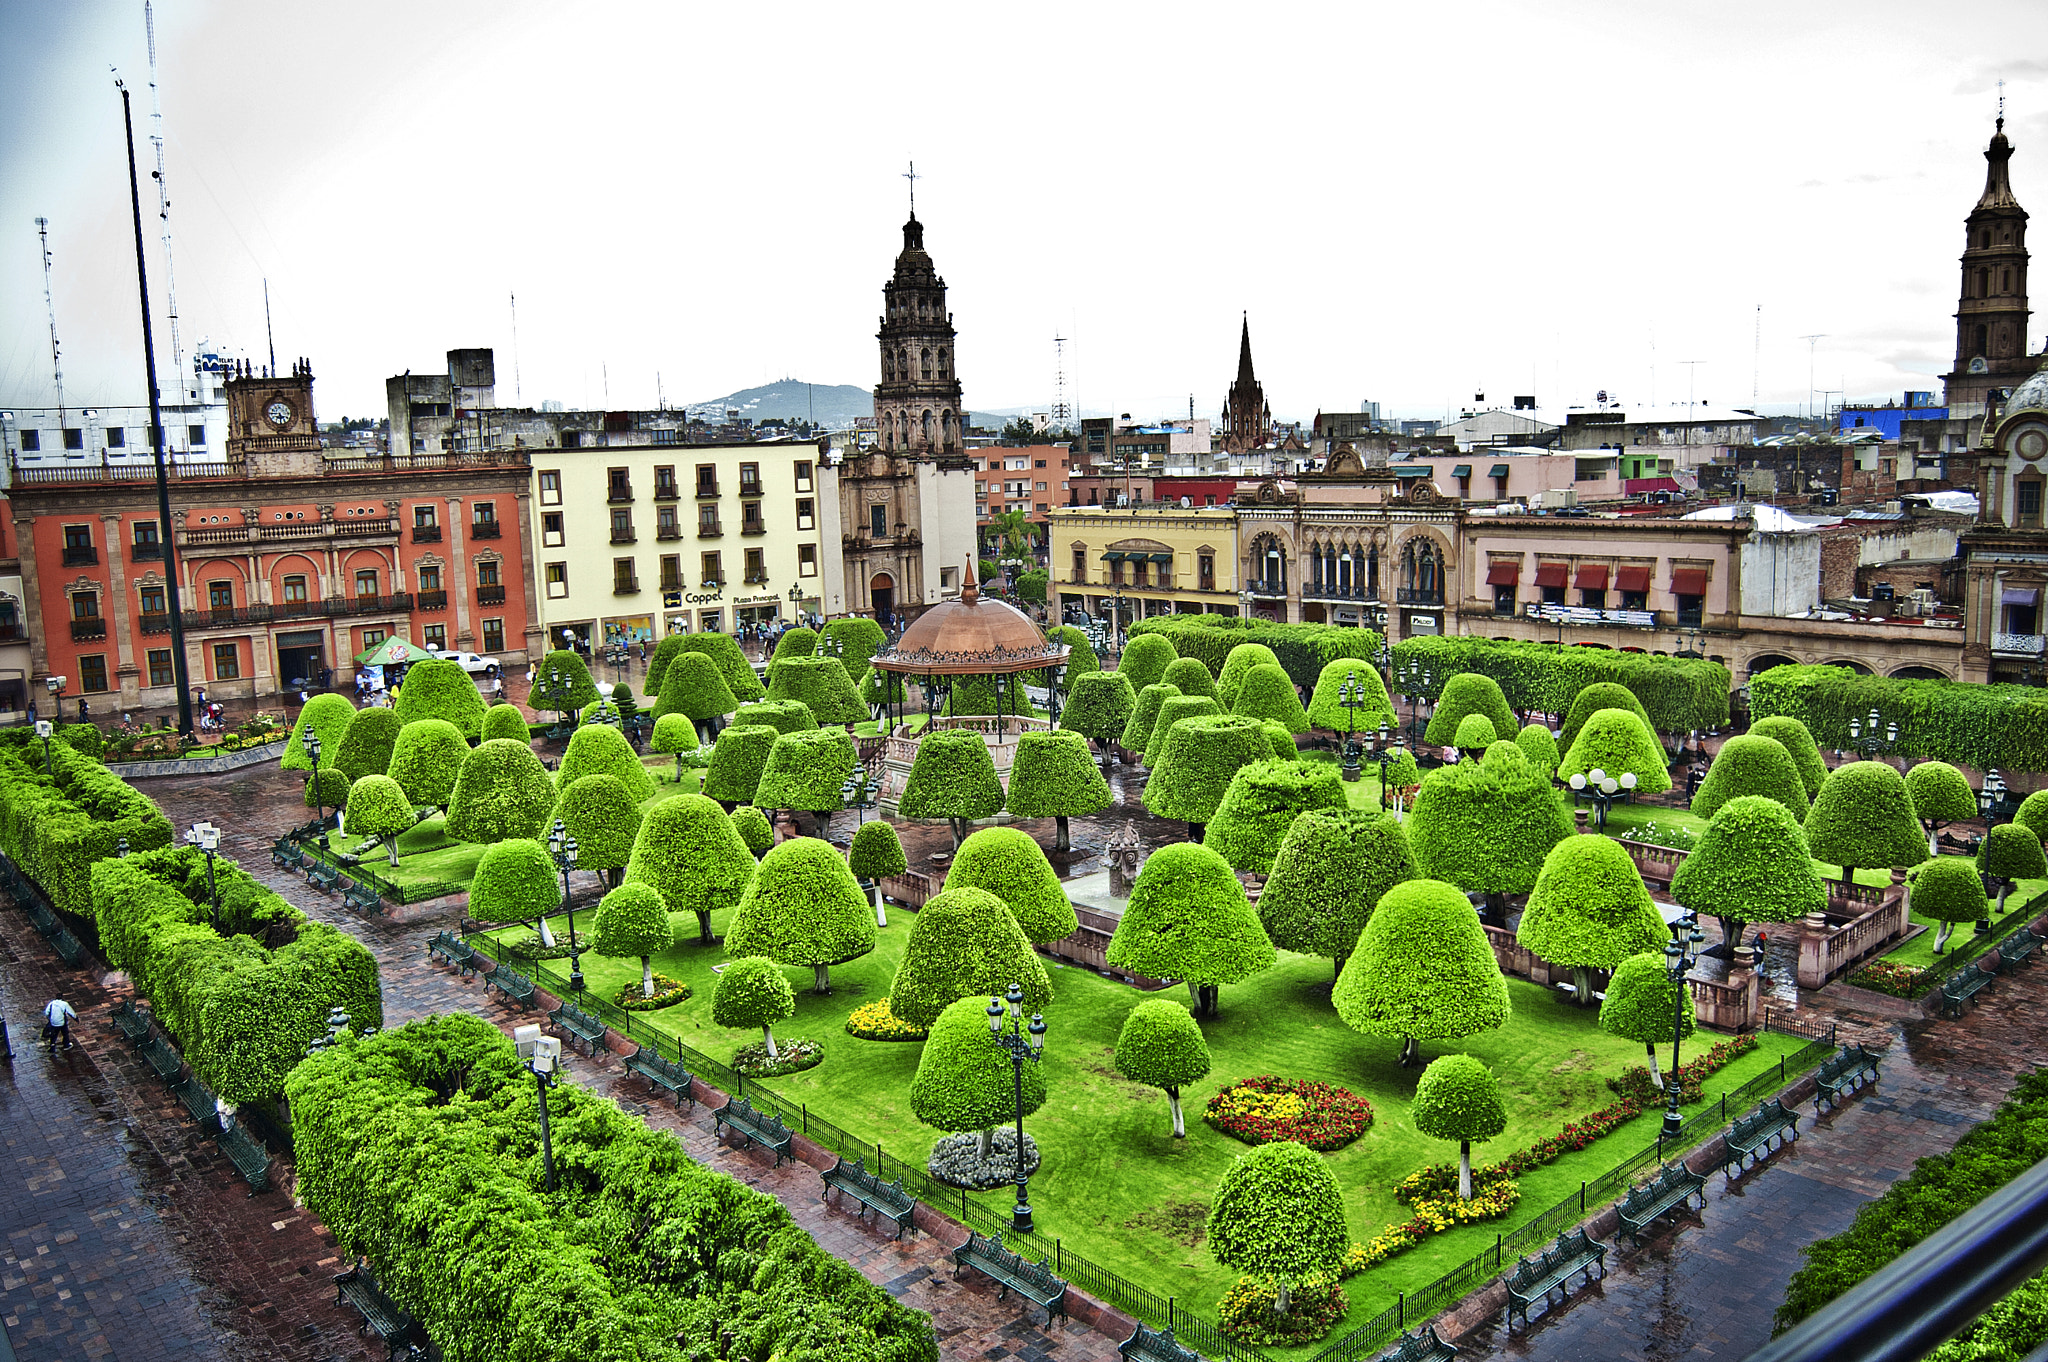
{"points": [[2020, 906], [1116, 1186]]}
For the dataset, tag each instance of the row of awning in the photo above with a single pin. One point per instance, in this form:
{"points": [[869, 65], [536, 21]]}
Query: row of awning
{"points": [[1463, 470], [1594, 577], [1137, 557]]}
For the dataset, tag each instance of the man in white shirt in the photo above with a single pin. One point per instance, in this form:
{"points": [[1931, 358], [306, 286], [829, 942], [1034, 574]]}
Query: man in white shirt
{"points": [[58, 1016]]}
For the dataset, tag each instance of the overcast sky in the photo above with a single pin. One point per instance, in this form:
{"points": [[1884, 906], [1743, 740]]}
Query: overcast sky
{"points": [[1414, 203]]}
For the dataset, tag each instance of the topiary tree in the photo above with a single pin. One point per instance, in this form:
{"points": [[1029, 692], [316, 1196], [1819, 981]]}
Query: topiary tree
{"points": [[1329, 874], [880, 689], [964, 944], [601, 750], [675, 733], [365, 747], [1863, 820], [952, 777], [689, 851], [694, 688], [1475, 734], [854, 641], [426, 760], [1260, 805], [822, 684], [1946, 890], [1750, 865], [1145, 715], [623, 701], [753, 991], [1282, 742], [800, 641], [1941, 794], [327, 717], [979, 695], [1277, 1212], [964, 1077], [505, 721], [378, 808], [1645, 1004], [1268, 693], [514, 881], [1008, 864], [803, 907], [1487, 825], [1188, 919], [1054, 776], [2033, 814], [874, 855], [1617, 742], [633, 920], [737, 760], [1099, 705], [1458, 1098], [2008, 852], [1538, 746], [665, 652], [1423, 970], [438, 689], [1591, 700], [501, 792], [1798, 741], [806, 771], [754, 829], [1589, 911], [1145, 660], [1171, 711], [327, 789], [1190, 675], [732, 664], [1201, 756], [604, 818], [1237, 665], [784, 716], [1469, 693], [561, 682], [1160, 1046], [1081, 658], [1751, 765], [1356, 679]]}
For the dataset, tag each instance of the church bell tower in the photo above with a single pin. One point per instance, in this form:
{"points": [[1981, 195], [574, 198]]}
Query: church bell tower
{"points": [[1991, 311], [917, 404]]}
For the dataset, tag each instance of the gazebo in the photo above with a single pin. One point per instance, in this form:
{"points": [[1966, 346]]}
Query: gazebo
{"points": [[959, 641]]}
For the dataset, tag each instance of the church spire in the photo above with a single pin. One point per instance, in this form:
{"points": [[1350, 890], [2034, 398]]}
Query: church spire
{"points": [[1997, 176], [1244, 352], [1247, 420]]}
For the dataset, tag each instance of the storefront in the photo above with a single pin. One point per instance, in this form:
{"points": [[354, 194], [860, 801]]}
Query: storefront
{"points": [[629, 629]]}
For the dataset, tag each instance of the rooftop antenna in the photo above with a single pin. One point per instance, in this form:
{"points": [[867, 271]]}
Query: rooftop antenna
{"points": [[912, 176], [1756, 361], [163, 208], [1811, 341], [1062, 414], [517, 396], [269, 334], [50, 305], [2001, 104]]}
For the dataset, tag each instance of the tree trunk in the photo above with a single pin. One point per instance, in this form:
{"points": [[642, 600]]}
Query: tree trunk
{"points": [[1941, 931], [1209, 999], [547, 938], [1464, 1170], [1582, 985], [704, 937], [391, 846], [1337, 961], [875, 898], [1283, 1296], [1933, 846], [823, 982], [647, 976], [2004, 888], [987, 1148], [1195, 831], [1060, 841], [1411, 1053], [1731, 935], [959, 826], [615, 877], [1180, 1126], [1496, 911], [768, 1038], [1650, 1048], [679, 768]]}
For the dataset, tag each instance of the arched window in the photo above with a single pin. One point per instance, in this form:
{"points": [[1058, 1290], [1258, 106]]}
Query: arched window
{"points": [[2006, 285], [945, 363], [927, 427], [1983, 338], [888, 367], [1983, 284], [1372, 573], [946, 425], [926, 357]]}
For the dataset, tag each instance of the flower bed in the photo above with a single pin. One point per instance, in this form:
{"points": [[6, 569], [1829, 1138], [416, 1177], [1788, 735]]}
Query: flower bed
{"points": [[1437, 1208], [1889, 977], [1315, 1304], [667, 993], [791, 1057], [1636, 1084], [874, 1021], [1265, 1109], [524, 944]]}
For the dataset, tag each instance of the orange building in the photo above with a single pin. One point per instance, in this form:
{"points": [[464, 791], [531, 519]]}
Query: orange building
{"points": [[290, 561]]}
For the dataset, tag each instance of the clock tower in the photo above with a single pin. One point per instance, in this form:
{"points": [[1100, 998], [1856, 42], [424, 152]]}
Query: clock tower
{"points": [[1991, 311], [271, 430]]}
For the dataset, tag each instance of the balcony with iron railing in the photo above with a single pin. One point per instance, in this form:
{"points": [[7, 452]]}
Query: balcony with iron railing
{"points": [[755, 579], [432, 600], [710, 530], [1419, 595], [706, 490], [485, 529], [1274, 589], [668, 532], [752, 527], [490, 595], [85, 629], [671, 584], [625, 586], [618, 492], [2019, 645], [206, 536], [666, 491], [13, 633], [426, 534], [145, 553], [624, 536], [80, 555]]}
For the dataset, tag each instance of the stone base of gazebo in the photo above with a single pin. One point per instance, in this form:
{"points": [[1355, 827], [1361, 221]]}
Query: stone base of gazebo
{"points": [[1000, 734]]}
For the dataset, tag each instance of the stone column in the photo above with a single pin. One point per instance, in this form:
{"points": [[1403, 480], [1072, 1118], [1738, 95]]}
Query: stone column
{"points": [[118, 617], [456, 577]]}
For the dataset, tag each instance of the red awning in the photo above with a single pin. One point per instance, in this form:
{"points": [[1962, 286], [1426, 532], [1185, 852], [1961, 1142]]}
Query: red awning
{"points": [[1503, 574], [1593, 577], [1637, 486], [1688, 581], [1552, 574], [1631, 579]]}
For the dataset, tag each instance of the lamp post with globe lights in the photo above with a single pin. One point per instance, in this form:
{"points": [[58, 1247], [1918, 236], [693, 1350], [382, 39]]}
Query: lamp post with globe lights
{"points": [[562, 846], [1023, 1044], [206, 837], [1872, 736], [312, 745], [1680, 953], [1603, 790], [542, 1056]]}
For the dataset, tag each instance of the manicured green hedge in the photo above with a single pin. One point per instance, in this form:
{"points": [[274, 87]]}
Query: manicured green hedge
{"points": [[421, 1149], [1642, 1002], [964, 1078], [502, 791], [1486, 825], [978, 695], [1171, 711], [1081, 658], [1054, 775], [1464, 695], [1615, 741], [437, 689], [1191, 677], [1538, 746], [803, 907], [1188, 919], [756, 831], [601, 750], [365, 746], [740, 677], [1261, 803], [665, 652], [1161, 1046], [1278, 1211], [327, 717], [737, 760], [801, 641], [54, 832], [964, 943], [245, 998], [633, 921], [428, 757], [1590, 701], [1968, 724], [1201, 756], [514, 881], [1589, 909], [1137, 734], [693, 854], [378, 807], [1750, 865], [854, 641], [1749, 764], [1331, 871], [1268, 694], [876, 852], [952, 776], [503, 721], [1303, 649], [600, 813], [1476, 733], [1679, 693], [1099, 705], [1423, 969], [1145, 659], [806, 771], [784, 716], [1008, 864], [1863, 819], [1326, 702], [1797, 740], [822, 684], [753, 991], [694, 687], [1237, 666]]}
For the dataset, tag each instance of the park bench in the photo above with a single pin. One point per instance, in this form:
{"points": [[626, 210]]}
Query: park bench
{"points": [[1965, 984], [285, 854], [131, 1021], [1535, 1277], [883, 1198], [454, 950], [380, 1313], [322, 876], [512, 984], [1751, 1135], [1034, 1281], [248, 1155], [1155, 1345], [362, 898], [1423, 1345], [757, 1126], [68, 947], [579, 1024], [2018, 948], [198, 1100], [661, 1073], [162, 1058], [1841, 1073], [1674, 1186]]}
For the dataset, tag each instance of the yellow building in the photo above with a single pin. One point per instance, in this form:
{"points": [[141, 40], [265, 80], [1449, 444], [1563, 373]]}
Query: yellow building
{"points": [[1158, 560], [634, 541]]}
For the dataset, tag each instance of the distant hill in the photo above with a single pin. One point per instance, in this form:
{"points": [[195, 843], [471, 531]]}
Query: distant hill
{"points": [[834, 406]]}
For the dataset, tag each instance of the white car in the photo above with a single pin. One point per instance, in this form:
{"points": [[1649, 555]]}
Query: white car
{"points": [[469, 662]]}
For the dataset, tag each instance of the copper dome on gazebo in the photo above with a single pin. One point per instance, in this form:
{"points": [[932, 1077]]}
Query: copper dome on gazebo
{"points": [[971, 637]]}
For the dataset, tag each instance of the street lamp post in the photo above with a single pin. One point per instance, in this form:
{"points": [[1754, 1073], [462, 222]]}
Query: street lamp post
{"points": [[1352, 697], [312, 746], [1604, 790], [44, 728], [1679, 954], [859, 793], [542, 1056], [1991, 799], [1023, 1044], [1387, 755], [206, 837], [563, 848], [1873, 735]]}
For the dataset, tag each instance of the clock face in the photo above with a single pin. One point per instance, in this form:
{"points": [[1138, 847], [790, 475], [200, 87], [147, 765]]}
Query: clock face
{"points": [[279, 413]]}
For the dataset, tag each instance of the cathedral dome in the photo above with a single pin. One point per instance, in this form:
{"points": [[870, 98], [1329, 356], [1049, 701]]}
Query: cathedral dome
{"points": [[2031, 395]]}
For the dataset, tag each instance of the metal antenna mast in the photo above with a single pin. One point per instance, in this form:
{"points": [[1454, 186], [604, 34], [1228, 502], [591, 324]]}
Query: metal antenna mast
{"points": [[268, 333], [1756, 359], [518, 396], [50, 305], [1062, 414], [163, 209], [1811, 341]]}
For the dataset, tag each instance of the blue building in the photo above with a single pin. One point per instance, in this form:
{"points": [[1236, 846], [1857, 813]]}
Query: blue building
{"points": [[1885, 419]]}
